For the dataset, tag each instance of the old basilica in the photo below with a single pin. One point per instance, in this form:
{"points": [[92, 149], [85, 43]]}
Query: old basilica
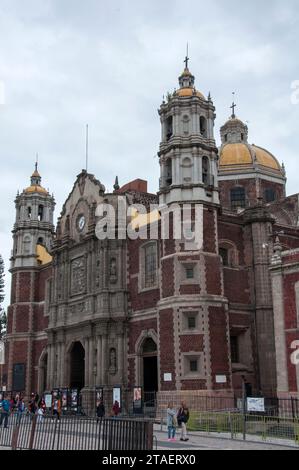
{"points": [[183, 323]]}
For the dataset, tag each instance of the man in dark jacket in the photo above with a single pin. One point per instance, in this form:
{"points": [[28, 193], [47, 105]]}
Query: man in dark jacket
{"points": [[183, 418]]}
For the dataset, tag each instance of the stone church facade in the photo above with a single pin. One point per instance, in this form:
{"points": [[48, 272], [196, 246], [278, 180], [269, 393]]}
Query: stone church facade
{"points": [[178, 320]]}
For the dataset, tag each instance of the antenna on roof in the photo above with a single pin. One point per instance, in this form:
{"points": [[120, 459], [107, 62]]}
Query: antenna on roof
{"points": [[86, 150]]}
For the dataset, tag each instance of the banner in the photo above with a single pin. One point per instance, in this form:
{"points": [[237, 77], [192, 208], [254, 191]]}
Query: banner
{"points": [[2, 353]]}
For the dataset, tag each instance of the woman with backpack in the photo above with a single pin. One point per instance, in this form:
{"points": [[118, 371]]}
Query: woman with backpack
{"points": [[183, 418]]}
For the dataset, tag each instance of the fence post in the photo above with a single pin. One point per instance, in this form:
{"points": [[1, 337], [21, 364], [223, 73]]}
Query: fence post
{"points": [[32, 432], [15, 436], [230, 424]]}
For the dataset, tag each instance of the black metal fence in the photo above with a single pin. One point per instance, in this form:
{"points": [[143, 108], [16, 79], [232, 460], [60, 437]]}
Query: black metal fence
{"points": [[77, 433]]}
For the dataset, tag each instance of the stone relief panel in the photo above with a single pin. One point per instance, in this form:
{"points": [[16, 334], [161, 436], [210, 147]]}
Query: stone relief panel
{"points": [[78, 276]]}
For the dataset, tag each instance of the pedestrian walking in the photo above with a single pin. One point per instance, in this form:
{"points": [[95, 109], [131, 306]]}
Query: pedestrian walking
{"points": [[40, 415], [115, 409], [32, 406], [5, 407], [183, 418], [100, 411], [20, 409], [56, 407], [171, 421]]}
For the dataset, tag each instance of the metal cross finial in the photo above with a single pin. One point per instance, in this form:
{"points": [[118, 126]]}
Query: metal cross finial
{"points": [[233, 106], [36, 162], [187, 58]]}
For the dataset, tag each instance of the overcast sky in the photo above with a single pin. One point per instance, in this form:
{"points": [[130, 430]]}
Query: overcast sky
{"points": [[65, 63]]}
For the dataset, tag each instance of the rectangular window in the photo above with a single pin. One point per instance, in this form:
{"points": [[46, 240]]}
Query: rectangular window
{"points": [[193, 365], [190, 272], [191, 323], [150, 260], [18, 380], [234, 345], [224, 255], [238, 198]]}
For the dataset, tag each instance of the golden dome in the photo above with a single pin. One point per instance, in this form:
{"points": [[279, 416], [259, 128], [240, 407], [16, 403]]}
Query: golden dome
{"points": [[188, 92], [238, 154], [36, 189]]}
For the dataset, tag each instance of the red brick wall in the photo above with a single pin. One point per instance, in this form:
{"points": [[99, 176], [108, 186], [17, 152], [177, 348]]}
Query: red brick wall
{"points": [[194, 385], [136, 329], [289, 282], [191, 343], [209, 230], [24, 286], [219, 346], [292, 369], [167, 277], [22, 318], [236, 285], [167, 358], [213, 276], [20, 352]]}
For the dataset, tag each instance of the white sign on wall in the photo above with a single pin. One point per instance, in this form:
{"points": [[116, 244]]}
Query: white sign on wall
{"points": [[167, 377], [2, 353], [221, 379], [256, 405]]}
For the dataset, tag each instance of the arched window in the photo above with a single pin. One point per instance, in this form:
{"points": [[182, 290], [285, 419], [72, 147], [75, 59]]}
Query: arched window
{"points": [[238, 198], [40, 241], [150, 265], [29, 212], [203, 126], [168, 172], [229, 253], [40, 213], [269, 195], [187, 170], [169, 128], [205, 170]]}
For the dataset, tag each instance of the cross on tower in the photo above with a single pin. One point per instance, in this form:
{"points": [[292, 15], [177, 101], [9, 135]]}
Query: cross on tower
{"points": [[233, 106], [187, 58]]}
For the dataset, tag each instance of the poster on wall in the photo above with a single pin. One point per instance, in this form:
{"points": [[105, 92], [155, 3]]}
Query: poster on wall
{"points": [[48, 400], [256, 405], [2, 353], [99, 396], [117, 395], [64, 401], [137, 400], [74, 399]]}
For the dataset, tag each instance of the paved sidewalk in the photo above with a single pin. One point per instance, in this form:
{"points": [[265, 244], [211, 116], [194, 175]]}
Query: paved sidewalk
{"points": [[200, 442]]}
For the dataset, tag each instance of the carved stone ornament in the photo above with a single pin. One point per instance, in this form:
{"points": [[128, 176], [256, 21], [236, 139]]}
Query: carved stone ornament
{"points": [[78, 276]]}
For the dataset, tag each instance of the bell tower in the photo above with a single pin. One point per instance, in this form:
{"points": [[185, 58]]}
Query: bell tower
{"points": [[30, 269], [34, 223], [188, 152]]}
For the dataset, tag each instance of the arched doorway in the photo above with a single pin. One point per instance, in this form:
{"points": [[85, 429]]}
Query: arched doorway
{"points": [[77, 366], [150, 368]]}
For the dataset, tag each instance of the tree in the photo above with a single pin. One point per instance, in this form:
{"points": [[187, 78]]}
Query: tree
{"points": [[3, 318]]}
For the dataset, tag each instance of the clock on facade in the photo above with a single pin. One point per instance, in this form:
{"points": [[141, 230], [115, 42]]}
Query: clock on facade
{"points": [[81, 223]]}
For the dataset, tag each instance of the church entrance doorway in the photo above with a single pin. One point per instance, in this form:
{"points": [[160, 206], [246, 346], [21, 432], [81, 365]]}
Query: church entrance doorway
{"points": [[77, 362], [150, 369]]}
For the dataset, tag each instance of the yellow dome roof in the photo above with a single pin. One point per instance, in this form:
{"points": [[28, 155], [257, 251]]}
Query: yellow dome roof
{"points": [[188, 92], [243, 155], [36, 189]]}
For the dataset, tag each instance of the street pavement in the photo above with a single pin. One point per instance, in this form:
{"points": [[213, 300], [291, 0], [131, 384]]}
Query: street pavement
{"points": [[200, 442]]}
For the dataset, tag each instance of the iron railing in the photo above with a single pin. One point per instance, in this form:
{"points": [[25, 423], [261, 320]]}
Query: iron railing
{"points": [[77, 433]]}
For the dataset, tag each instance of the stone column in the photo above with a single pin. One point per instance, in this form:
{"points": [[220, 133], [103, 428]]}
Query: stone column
{"points": [[91, 362], [62, 365], [99, 355], [104, 361], [120, 357], [86, 365]]}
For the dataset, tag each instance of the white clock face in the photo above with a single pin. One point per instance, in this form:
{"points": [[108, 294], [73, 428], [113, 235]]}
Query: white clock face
{"points": [[81, 223]]}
